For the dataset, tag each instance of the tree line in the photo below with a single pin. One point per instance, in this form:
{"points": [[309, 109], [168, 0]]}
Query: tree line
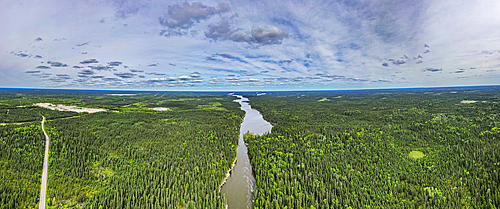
{"points": [[354, 150]]}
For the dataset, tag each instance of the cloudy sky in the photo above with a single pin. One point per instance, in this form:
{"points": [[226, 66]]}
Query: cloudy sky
{"points": [[248, 44]]}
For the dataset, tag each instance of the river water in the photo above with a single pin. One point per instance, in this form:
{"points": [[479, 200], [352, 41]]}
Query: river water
{"points": [[239, 186]]}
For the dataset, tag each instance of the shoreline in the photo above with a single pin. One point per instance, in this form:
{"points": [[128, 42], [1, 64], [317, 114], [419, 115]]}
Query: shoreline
{"points": [[228, 173]]}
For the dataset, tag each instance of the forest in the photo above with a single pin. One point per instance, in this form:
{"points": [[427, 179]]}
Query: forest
{"points": [[413, 148], [408, 148], [133, 158], [21, 160]]}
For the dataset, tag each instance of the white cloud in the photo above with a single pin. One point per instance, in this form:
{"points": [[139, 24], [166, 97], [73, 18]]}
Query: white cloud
{"points": [[349, 41], [265, 34]]}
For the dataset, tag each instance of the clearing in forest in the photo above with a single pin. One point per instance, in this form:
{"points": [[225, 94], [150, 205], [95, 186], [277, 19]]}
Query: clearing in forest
{"points": [[467, 101], [160, 109], [416, 154], [61, 107]]}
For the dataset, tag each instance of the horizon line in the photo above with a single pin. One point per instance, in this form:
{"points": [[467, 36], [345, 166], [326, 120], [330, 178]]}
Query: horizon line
{"points": [[213, 90]]}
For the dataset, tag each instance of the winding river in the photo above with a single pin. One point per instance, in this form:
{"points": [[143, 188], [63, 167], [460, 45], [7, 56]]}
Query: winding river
{"points": [[240, 184]]}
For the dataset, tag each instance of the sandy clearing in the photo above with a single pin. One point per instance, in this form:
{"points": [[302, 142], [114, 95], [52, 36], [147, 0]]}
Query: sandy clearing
{"points": [[160, 109], [61, 107]]}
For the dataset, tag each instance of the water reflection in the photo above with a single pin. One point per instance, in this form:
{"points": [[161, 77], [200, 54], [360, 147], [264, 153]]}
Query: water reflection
{"points": [[239, 186]]}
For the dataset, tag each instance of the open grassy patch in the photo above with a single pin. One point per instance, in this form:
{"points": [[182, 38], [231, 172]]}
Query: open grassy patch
{"points": [[141, 104], [102, 173], [467, 101], [323, 100], [136, 109], [212, 106], [416, 154], [182, 99]]}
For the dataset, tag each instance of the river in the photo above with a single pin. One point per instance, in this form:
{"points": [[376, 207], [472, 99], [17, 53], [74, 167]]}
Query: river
{"points": [[239, 186]]}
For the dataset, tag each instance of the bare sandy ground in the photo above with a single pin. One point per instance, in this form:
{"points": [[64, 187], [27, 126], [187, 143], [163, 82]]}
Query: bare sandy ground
{"points": [[61, 107], [160, 109]]}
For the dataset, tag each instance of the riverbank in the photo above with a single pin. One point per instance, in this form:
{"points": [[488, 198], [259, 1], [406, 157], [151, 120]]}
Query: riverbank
{"points": [[239, 185], [228, 173]]}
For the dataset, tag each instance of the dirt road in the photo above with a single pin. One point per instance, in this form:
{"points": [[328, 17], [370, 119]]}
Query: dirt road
{"points": [[43, 187]]}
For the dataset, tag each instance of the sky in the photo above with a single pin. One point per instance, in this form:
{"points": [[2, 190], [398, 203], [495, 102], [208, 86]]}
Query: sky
{"points": [[248, 44]]}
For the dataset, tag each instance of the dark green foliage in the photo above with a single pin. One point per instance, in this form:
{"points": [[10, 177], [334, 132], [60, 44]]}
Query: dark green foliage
{"points": [[21, 161], [338, 152], [353, 151], [137, 158], [28, 114]]}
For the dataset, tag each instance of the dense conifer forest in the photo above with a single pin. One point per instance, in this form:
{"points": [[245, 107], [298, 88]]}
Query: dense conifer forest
{"points": [[134, 158], [413, 148], [424, 148], [21, 161]]}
